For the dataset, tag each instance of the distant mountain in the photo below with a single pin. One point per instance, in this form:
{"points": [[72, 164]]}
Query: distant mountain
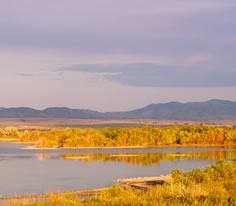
{"points": [[63, 112], [54, 112], [209, 110]]}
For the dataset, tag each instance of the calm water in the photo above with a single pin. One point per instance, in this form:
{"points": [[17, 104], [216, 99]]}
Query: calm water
{"points": [[36, 172]]}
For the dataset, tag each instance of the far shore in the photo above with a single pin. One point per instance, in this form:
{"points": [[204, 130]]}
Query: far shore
{"points": [[233, 146], [33, 147], [6, 140]]}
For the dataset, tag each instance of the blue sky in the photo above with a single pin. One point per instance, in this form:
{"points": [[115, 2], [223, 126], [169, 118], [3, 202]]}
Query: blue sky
{"points": [[111, 55]]}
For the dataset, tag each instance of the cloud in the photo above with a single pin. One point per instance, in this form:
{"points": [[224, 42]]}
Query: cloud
{"points": [[114, 51], [146, 27], [197, 59], [24, 74], [155, 75]]}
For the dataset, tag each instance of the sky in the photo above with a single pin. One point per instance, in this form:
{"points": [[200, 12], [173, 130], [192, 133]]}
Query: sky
{"points": [[116, 55]]}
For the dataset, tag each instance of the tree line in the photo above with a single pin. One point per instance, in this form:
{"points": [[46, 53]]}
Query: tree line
{"points": [[115, 137]]}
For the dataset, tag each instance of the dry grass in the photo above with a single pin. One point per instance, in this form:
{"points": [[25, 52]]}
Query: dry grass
{"points": [[45, 124]]}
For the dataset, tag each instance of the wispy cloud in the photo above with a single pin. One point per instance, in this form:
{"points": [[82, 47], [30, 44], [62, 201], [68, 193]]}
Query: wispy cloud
{"points": [[115, 50], [155, 75], [24, 74]]}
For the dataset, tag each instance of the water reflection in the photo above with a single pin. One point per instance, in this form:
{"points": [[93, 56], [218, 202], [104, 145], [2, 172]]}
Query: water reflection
{"points": [[148, 159], [43, 156], [42, 171]]}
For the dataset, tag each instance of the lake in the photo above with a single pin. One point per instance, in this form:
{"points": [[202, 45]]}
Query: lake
{"points": [[41, 171]]}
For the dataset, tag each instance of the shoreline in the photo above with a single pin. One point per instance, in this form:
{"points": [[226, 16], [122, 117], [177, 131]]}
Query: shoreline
{"points": [[230, 146], [33, 147], [137, 182], [6, 140], [88, 192]]}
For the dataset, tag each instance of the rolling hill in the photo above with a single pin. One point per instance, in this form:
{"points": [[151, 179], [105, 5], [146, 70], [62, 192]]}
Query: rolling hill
{"points": [[209, 110]]}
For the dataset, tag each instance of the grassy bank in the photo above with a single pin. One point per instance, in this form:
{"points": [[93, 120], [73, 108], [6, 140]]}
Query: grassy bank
{"points": [[146, 136], [216, 185]]}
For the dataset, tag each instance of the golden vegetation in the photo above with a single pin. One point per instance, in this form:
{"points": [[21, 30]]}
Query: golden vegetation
{"points": [[115, 137]]}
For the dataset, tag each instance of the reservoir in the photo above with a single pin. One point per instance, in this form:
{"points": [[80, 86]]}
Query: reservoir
{"points": [[27, 172]]}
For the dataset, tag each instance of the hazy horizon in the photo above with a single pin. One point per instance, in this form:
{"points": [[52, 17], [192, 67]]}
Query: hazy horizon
{"points": [[183, 102]]}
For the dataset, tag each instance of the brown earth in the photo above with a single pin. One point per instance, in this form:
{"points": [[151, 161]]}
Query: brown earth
{"points": [[45, 124]]}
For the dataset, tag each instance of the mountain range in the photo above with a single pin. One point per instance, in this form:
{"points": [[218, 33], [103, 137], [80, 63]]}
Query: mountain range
{"points": [[199, 111]]}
